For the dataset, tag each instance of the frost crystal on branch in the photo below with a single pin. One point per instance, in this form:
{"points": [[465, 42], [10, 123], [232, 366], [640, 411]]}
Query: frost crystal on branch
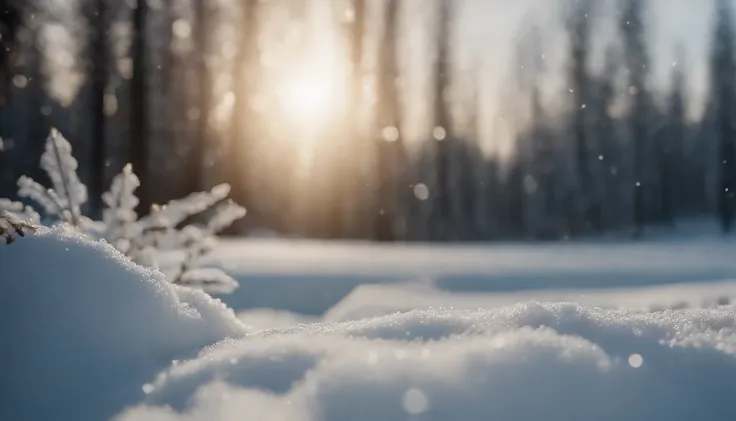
{"points": [[177, 211], [212, 280], [11, 225], [64, 200], [61, 167], [29, 188], [19, 211], [187, 225], [225, 215], [119, 218]]}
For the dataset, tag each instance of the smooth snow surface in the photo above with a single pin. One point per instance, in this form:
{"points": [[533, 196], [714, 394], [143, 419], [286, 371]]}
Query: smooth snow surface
{"points": [[377, 300], [83, 328], [527, 362], [316, 278]]}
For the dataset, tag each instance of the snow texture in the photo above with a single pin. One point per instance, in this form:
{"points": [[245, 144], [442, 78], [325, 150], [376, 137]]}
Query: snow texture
{"points": [[89, 335], [84, 328], [526, 362]]}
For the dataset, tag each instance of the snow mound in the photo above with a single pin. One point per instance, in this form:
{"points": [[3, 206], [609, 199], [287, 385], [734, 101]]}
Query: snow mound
{"points": [[526, 362], [87, 335], [83, 327]]}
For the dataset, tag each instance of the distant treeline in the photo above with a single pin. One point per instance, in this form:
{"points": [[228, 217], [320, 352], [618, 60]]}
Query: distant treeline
{"points": [[618, 156]]}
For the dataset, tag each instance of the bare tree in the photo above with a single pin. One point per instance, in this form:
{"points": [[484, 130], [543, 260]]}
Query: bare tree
{"points": [[636, 60], [245, 119], [672, 164], [443, 131], [389, 144], [9, 22], [588, 208], [348, 217], [99, 59], [202, 31], [723, 68], [139, 141]]}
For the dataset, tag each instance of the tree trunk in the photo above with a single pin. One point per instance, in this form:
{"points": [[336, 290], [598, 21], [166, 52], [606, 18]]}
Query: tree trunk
{"points": [[196, 155], [99, 118], [346, 218], [244, 118], [9, 23], [388, 142], [139, 147]]}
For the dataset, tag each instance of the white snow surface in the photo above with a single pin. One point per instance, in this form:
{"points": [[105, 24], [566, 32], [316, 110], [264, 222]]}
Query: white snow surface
{"points": [[526, 362], [88, 335], [83, 328], [343, 280]]}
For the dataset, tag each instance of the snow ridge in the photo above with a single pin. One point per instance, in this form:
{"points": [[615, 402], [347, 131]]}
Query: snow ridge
{"points": [[89, 335], [526, 362]]}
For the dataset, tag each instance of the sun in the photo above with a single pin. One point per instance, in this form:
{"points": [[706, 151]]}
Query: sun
{"points": [[309, 98]]}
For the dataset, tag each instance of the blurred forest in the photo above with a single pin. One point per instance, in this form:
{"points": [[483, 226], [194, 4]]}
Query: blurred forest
{"points": [[185, 90]]}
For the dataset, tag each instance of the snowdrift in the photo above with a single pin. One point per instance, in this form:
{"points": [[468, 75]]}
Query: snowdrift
{"points": [[88, 335], [83, 328], [527, 362]]}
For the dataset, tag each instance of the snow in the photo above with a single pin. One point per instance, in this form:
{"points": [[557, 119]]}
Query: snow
{"points": [[83, 327], [376, 300], [341, 331], [525, 362], [211, 280], [312, 278]]}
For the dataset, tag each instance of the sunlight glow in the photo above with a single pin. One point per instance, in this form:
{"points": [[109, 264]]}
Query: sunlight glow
{"points": [[305, 80], [309, 98]]}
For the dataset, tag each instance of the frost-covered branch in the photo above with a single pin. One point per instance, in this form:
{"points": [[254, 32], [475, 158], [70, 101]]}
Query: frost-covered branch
{"points": [[62, 169], [188, 225], [211, 280], [18, 210], [178, 211], [11, 225], [46, 198], [119, 218], [68, 194]]}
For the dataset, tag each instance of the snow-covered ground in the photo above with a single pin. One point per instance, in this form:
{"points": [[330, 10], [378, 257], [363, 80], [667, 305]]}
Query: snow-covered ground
{"points": [[339, 331], [283, 282]]}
